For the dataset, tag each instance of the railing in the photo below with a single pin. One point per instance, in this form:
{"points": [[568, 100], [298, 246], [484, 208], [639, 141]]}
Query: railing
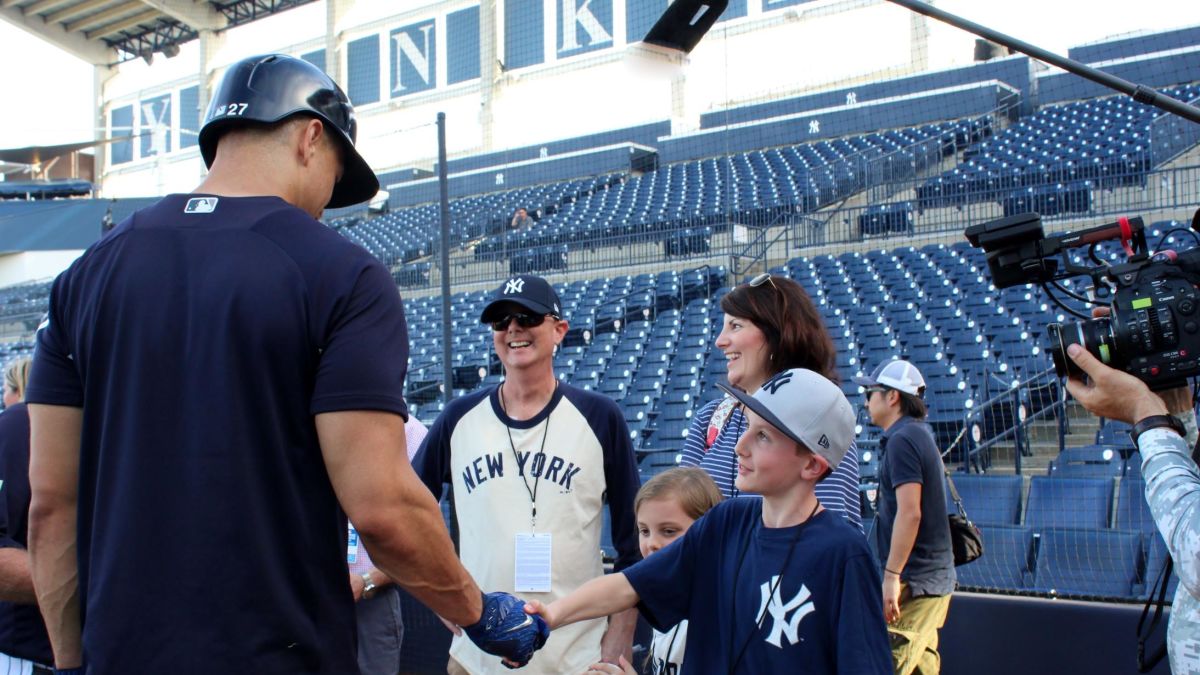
{"points": [[975, 420]]}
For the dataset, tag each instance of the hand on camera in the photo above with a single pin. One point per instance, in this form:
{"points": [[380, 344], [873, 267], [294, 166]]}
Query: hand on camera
{"points": [[1111, 393]]}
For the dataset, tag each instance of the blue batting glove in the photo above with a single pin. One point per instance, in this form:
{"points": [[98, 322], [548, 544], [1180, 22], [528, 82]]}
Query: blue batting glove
{"points": [[505, 630]]}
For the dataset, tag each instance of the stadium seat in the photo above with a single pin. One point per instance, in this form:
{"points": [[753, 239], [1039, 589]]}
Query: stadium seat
{"points": [[988, 500], [1102, 563], [1090, 461], [1069, 502], [1007, 562]]}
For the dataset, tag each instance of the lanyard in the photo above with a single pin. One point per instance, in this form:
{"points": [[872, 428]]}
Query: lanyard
{"points": [[773, 589], [541, 455]]}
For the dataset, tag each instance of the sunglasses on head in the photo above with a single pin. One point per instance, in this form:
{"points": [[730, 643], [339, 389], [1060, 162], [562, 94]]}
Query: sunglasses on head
{"points": [[761, 279], [523, 320]]}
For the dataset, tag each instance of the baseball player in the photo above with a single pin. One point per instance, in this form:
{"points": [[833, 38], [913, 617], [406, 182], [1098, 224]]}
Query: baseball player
{"points": [[220, 386]]}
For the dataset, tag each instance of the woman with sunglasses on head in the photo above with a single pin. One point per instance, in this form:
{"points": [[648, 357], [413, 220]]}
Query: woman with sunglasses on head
{"points": [[771, 325]]}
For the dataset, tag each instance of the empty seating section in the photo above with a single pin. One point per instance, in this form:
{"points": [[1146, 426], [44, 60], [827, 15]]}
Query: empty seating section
{"points": [[1049, 162], [683, 204]]}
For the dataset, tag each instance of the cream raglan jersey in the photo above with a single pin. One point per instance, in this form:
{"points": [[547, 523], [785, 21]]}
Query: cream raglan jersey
{"points": [[573, 456]]}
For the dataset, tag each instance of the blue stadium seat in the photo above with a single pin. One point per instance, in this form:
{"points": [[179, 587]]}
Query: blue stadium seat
{"points": [[1069, 502], [1007, 562], [1089, 461], [1133, 513], [988, 500], [1102, 563]]}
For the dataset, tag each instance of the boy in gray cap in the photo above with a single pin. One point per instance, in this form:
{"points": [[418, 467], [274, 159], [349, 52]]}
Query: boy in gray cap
{"points": [[777, 585]]}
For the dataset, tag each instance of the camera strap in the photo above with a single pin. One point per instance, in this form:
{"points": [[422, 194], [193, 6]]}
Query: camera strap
{"points": [[1146, 663]]}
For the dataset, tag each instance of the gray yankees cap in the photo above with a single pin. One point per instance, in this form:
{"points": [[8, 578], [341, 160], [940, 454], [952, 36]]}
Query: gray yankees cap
{"points": [[895, 374], [808, 408]]}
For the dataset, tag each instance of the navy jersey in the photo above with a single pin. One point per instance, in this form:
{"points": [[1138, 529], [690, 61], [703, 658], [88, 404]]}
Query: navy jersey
{"points": [[200, 338], [574, 455], [909, 454], [822, 613], [22, 633]]}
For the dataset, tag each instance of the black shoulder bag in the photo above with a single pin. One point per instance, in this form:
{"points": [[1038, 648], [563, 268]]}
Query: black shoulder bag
{"points": [[965, 539]]}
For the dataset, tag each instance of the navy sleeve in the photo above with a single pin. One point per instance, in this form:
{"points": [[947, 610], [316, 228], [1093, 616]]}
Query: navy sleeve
{"points": [[663, 581], [694, 443], [621, 484], [862, 638], [6, 534], [364, 356], [14, 477], [432, 461], [905, 461], [53, 378]]}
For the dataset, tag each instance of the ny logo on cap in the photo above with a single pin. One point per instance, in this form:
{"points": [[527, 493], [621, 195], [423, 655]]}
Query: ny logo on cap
{"points": [[772, 385], [514, 286]]}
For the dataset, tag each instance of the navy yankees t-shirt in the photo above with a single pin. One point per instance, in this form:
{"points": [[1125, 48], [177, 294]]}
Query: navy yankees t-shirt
{"points": [[22, 633], [200, 338], [821, 613]]}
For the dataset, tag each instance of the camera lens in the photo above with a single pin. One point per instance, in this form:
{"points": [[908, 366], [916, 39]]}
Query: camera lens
{"points": [[1094, 335]]}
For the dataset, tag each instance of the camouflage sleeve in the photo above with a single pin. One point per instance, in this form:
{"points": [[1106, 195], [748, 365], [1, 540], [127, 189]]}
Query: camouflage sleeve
{"points": [[1173, 493]]}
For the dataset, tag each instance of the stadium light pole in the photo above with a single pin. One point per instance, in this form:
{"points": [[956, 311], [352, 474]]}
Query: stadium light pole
{"points": [[444, 195]]}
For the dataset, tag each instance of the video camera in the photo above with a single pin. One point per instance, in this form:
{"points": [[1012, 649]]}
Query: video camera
{"points": [[1153, 327]]}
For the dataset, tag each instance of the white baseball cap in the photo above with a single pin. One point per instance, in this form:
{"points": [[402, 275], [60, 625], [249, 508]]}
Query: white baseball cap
{"points": [[895, 374], [808, 408]]}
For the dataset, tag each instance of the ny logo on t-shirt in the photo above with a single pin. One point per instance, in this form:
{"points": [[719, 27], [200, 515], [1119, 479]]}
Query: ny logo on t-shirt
{"points": [[800, 606]]}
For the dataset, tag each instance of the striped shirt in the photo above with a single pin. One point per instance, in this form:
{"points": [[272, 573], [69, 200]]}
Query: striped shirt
{"points": [[838, 492]]}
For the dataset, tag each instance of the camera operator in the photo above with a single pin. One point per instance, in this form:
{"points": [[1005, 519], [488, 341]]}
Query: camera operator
{"points": [[1165, 433]]}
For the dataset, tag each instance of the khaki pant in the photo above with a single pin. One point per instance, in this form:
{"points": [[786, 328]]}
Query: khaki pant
{"points": [[914, 637], [455, 668]]}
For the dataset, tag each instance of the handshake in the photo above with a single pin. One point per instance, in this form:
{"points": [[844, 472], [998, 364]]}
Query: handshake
{"points": [[505, 630]]}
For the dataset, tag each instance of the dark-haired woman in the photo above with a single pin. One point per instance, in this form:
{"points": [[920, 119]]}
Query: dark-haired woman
{"points": [[771, 325]]}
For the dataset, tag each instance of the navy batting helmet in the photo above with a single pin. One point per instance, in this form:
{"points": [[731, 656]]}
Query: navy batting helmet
{"points": [[272, 88]]}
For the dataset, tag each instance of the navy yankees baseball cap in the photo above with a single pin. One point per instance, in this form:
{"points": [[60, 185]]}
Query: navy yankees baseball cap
{"points": [[529, 291], [807, 408]]}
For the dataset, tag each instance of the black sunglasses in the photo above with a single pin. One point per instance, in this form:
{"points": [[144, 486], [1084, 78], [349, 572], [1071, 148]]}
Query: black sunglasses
{"points": [[523, 320], [761, 279]]}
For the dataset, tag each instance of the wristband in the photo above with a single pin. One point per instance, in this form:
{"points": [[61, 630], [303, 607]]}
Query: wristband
{"points": [[1156, 422], [891, 571]]}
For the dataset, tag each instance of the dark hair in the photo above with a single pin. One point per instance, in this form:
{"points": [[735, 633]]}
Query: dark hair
{"points": [[912, 406], [795, 333]]}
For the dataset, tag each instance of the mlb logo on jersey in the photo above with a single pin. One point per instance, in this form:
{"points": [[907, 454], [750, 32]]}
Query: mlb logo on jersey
{"points": [[201, 205]]}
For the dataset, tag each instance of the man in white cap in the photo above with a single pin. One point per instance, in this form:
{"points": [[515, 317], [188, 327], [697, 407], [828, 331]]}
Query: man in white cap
{"points": [[771, 585], [912, 530]]}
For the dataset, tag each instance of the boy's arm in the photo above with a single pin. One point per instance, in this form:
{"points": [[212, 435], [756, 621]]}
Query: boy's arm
{"points": [[602, 596]]}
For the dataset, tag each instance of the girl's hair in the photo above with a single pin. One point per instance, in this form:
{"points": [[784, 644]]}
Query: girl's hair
{"points": [[795, 333], [695, 490], [17, 376]]}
